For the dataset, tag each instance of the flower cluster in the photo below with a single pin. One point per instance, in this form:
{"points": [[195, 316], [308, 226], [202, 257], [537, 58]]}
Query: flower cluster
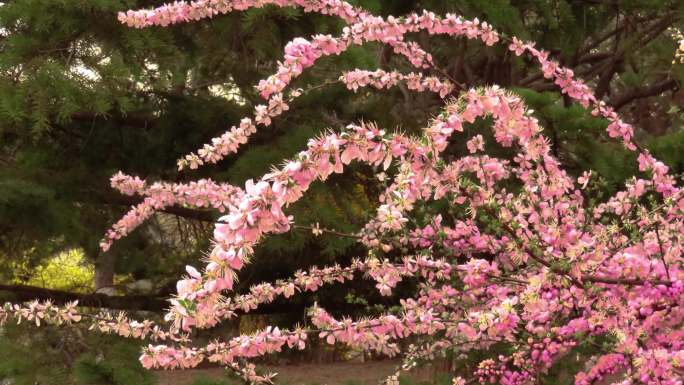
{"points": [[606, 364], [302, 53], [203, 193], [380, 79], [679, 53], [50, 314]]}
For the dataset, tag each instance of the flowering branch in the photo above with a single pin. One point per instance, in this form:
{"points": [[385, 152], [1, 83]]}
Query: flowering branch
{"points": [[511, 229]]}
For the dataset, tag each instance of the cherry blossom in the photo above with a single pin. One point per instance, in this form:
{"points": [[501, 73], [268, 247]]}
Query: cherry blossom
{"points": [[520, 258]]}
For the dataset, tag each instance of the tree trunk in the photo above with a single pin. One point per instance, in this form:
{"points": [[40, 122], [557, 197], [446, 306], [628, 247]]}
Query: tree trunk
{"points": [[104, 273]]}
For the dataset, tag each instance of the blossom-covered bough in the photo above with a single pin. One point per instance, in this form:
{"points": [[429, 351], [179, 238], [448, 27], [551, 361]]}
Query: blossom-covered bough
{"points": [[521, 261]]}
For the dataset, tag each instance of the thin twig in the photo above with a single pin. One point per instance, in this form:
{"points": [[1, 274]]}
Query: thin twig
{"points": [[328, 231], [662, 252]]}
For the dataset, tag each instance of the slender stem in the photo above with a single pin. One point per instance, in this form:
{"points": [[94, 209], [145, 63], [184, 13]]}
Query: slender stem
{"points": [[327, 231], [662, 253]]}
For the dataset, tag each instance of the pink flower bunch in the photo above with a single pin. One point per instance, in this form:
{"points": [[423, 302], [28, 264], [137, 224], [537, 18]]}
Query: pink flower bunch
{"points": [[661, 366], [229, 141], [182, 11], [156, 356], [497, 371], [370, 28], [380, 79], [203, 193], [475, 144], [606, 364], [50, 314], [463, 238]]}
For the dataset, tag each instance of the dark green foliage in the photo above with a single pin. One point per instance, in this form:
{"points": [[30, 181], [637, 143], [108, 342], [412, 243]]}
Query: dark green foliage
{"points": [[444, 379], [115, 367], [23, 354], [211, 381], [53, 356]]}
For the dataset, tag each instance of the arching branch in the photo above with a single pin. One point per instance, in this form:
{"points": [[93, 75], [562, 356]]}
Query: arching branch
{"points": [[658, 88]]}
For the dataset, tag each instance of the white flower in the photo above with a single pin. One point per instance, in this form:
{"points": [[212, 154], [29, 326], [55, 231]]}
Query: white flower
{"points": [[316, 230]]}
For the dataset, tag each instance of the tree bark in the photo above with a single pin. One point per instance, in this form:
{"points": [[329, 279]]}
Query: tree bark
{"points": [[157, 303], [104, 273], [620, 101], [24, 293]]}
